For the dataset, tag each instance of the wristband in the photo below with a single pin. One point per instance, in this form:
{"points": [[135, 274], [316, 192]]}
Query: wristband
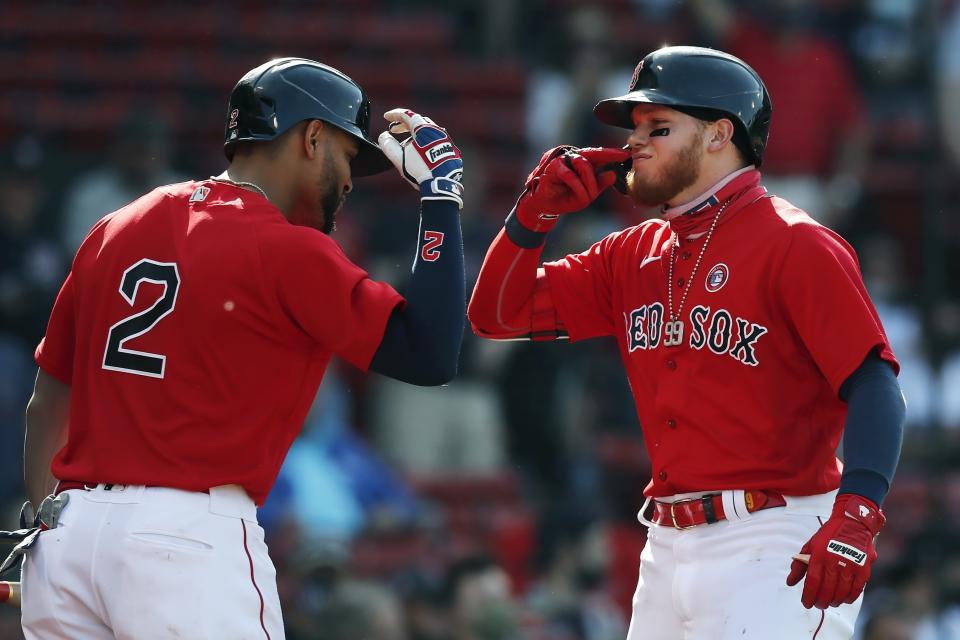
{"points": [[520, 235]]}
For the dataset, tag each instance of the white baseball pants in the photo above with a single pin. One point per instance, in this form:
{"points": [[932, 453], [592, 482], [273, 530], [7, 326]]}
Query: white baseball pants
{"points": [[727, 580], [140, 562]]}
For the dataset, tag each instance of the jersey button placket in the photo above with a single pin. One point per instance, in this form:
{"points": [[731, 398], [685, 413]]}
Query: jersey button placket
{"points": [[671, 423], [672, 364], [662, 475]]}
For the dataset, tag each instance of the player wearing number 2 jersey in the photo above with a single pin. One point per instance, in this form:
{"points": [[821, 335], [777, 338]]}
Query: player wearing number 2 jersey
{"points": [[187, 345], [751, 347]]}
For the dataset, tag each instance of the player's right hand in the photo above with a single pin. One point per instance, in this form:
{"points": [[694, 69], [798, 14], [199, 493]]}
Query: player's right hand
{"points": [[566, 179], [427, 159]]}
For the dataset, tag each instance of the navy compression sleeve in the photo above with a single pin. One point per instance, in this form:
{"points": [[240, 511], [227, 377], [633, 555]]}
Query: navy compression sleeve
{"points": [[874, 429], [421, 343]]}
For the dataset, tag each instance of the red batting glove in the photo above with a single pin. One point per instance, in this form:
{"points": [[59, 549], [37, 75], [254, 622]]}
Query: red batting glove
{"points": [[565, 180], [841, 554]]}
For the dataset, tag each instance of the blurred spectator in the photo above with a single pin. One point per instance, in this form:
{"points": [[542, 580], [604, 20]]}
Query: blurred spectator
{"points": [[139, 161], [887, 625], [425, 605], [572, 596], [490, 28], [31, 265], [31, 270], [932, 592], [322, 600], [948, 85], [891, 42], [356, 610], [561, 100], [481, 606], [819, 140]]}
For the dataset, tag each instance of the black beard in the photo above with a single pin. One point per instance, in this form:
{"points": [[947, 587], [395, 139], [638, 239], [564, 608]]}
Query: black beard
{"points": [[670, 180], [332, 198], [330, 203]]}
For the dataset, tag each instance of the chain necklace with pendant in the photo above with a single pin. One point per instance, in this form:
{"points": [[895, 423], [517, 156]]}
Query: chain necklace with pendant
{"points": [[673, 329]]}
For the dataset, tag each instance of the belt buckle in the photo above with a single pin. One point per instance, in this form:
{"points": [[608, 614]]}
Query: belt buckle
{"points": [[673, 513]]}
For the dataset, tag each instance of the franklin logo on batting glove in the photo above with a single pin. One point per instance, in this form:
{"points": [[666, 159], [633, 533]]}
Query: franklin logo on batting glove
{"points": [[847, 551], [441, 152], [428, 159]]}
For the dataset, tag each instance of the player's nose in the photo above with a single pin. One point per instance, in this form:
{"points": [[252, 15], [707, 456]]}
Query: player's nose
{"points": [[637, 139]]}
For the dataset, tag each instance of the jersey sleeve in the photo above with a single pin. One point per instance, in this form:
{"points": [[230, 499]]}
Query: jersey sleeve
{"points": [[582, 291], [55, 352], [828, 305], [373, 302], [331, 299]]}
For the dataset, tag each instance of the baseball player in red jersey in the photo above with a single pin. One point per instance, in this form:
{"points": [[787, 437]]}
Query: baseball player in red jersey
{"points": [[751, 347], [187, 344]]}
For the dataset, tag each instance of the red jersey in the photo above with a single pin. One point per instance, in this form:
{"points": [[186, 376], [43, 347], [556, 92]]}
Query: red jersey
{"points": [[776, 318], [194, 329]]}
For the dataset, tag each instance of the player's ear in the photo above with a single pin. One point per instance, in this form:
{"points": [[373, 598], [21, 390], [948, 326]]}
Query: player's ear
{"points": [[720, 134], [312, 135]]}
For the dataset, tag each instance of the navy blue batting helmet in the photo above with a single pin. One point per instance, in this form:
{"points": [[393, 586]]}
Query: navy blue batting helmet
{"points": [[704, 83], [278, 94]]}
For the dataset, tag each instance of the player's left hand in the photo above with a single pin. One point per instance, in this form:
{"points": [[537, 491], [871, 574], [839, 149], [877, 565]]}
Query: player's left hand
{"points": [[841, 554], [427, 159]]}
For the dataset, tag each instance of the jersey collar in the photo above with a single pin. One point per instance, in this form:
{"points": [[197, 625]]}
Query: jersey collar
{"points": [[694, 218]]}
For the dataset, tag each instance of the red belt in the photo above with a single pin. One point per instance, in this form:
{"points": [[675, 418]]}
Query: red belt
{"points": [[66, 485], [690, 512]]}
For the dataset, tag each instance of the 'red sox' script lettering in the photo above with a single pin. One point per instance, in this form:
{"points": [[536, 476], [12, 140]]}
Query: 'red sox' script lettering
{"points": [[719, 331]]}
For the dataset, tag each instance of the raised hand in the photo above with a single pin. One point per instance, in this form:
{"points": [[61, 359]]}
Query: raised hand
{"points": [[566, 179], [427, 159]]}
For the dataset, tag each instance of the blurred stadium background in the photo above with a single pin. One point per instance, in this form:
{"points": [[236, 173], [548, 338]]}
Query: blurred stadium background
{"points": [[502, 507]]}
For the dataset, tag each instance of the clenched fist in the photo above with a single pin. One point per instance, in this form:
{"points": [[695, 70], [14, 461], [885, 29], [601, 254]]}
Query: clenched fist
{"points": [[566, 179]]}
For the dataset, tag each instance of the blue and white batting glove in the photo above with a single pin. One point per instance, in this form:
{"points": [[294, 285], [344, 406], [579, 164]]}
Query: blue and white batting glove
{"points": [[428, 159]]}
